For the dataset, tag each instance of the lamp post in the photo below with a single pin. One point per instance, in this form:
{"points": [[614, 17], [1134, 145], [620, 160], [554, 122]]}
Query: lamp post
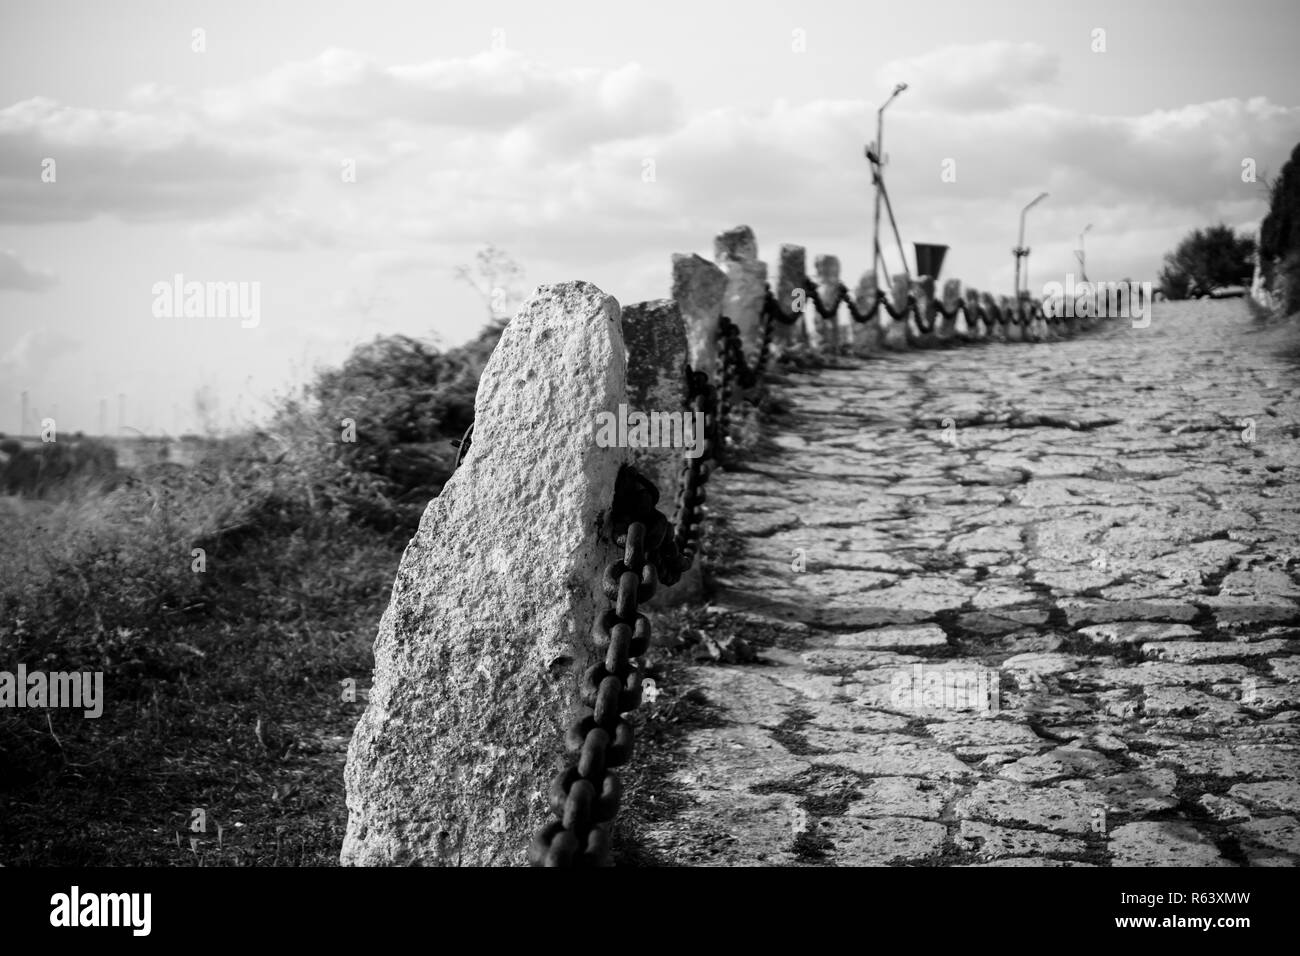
{"points": [[1020, 251], [877, 158], [1083, 266]]}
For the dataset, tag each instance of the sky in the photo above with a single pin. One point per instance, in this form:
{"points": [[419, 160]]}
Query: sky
{"points": [[347, 158]]}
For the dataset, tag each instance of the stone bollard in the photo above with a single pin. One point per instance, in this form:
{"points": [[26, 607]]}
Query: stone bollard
{"points": [[898, 332], [923, 289], [946, 328], [1014, 332], [656, 383], [974, 327], [479, 653], [736, 253], [1043, 332], [868, 336], [698, 290], [828, 290], [789, 281], [993, 311]]}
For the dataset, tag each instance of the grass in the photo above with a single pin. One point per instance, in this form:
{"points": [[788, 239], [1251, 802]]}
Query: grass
{"points": [[284, 609]]}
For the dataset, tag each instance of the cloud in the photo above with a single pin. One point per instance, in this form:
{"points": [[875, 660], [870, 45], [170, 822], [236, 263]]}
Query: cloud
{"points": [[498, 91], [134, 165], [980, 76], [553, 163], [15, 274], [271, 228], [32, 355]]}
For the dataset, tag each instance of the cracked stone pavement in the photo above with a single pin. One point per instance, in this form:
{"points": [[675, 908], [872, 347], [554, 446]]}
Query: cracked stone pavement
{"points": [[1023, 604]]}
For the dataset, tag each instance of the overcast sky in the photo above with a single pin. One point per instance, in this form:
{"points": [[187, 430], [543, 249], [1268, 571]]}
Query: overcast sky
{"points": [[531, 126]]}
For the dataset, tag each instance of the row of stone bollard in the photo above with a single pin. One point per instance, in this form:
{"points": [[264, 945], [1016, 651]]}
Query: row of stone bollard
{"points": [[478, 656]]}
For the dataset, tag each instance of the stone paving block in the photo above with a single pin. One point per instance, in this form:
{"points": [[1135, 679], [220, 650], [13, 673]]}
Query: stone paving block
{"points": [[1162, 844], [859, 841]]}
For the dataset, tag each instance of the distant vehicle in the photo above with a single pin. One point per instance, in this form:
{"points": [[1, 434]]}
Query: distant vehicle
{"points": [[1229, 292]]}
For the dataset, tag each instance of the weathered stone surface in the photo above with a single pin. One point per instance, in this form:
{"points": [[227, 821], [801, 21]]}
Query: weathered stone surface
{"points": [[1046, 808], [1225, 811], [698, 289], [901, 797], [1007, 308], [655, 340], [947, 328], [1162, 844], [991, 842], [789, 280], [1136, 632], [1281, 795], [1097, 507], [923, 289], [993, 313], [867, 336], [477, 657], [923, 635], [828, 290], [879, 842], [1261, 838], [974, 326], [736, 252], [897, 334]]}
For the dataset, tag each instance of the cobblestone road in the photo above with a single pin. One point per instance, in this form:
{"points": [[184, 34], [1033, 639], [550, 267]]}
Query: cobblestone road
{"points": [[1061, 630]]}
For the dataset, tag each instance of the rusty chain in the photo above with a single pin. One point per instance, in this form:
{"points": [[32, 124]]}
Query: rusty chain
{"points": [[584, 797], [1018, 315], [689, 516]]}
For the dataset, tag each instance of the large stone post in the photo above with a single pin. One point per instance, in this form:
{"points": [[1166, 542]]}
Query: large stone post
{"points": [[789, 280], [656, 383], [868, 336], [736, 252], [923, 289], [698, 290], [479, 654], [898, 333], [1014, 332], [974, 327], [950, 328], [993, 311], [828, 290]]}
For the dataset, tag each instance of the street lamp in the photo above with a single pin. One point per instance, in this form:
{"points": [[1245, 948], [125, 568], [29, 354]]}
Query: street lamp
{"points": [[877, 158], [1020, 251], [1083, 267]]}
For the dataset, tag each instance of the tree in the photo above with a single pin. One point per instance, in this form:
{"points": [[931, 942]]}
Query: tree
{"points": [[1205, 260], [1279, 235]]}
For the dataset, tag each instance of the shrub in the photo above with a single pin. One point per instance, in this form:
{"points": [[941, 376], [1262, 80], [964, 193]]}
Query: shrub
{"points": [[1205, 260]]}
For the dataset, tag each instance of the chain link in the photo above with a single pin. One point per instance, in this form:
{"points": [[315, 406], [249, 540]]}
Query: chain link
{"points": [[584, 797]]}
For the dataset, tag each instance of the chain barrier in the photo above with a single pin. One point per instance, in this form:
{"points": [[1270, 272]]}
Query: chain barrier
{"points": [[689, 515], [584, 797], [1018, 315]]}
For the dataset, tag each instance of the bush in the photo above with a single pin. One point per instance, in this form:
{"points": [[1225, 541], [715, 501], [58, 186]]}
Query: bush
{"points": [[1279, 236], [65, 466], [1206, 260], [407, 402]]}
